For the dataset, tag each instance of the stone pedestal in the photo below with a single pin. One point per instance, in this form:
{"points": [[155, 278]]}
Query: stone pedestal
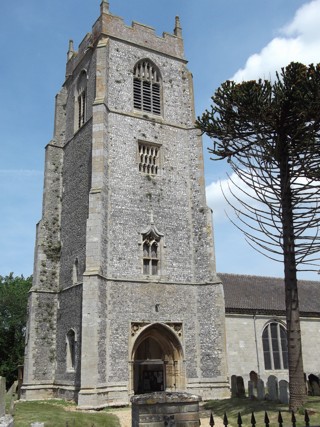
{"points": [[159, 409]]}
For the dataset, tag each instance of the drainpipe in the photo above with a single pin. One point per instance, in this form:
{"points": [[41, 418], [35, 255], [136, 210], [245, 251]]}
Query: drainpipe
{"points": [[256, 341]]}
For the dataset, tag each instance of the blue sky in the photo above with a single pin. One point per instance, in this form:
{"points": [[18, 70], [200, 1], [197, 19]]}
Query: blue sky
{"points": [[223, 39]]}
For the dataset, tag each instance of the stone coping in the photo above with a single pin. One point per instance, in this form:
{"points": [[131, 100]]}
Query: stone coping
{"points": [[159, 397]]}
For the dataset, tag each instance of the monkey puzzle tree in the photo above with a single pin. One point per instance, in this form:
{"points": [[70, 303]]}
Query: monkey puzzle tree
{"points": [[269, 132]]}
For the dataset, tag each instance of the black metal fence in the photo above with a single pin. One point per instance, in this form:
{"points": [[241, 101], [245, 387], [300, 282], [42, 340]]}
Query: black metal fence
{"points": [[266, 422]]}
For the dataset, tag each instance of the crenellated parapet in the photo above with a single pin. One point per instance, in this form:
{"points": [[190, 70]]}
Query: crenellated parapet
{"points": [[114, 27]]}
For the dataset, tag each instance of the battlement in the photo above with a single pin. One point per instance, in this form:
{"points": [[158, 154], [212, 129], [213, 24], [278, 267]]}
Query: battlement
{"points": [[112, 26]]}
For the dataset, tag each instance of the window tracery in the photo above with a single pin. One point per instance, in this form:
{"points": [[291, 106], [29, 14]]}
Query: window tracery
{"points": [[275, 346], [151, 251]]}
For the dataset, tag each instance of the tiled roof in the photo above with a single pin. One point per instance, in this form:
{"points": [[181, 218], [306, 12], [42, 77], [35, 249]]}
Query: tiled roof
{"points": [[257, 294]]}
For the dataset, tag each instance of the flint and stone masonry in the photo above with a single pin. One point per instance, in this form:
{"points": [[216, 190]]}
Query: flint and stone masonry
{"points": [[125, 298]]}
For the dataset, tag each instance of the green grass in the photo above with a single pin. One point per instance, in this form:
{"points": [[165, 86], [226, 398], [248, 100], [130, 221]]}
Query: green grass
{"points": [[246, 406], [58, 413]]}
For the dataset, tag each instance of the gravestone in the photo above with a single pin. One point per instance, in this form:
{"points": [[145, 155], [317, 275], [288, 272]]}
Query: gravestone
{"points": [[272, 385], [5, 420], [314, 385], [254, 378], [156, 409], [2, 396], [284, 391], [241, 391], [234, 390], [252, 390], [260, 390]]}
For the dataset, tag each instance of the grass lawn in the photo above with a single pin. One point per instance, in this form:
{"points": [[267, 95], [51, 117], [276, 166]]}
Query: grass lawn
{"points": [[246, 406], [57, 413]]}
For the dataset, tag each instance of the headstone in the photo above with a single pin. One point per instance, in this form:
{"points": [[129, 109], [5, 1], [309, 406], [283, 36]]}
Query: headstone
{"points": [[314, 383], [2, 396], [284, 391], [165, 409], [5, 420], [234, 390], [260, 390], [36, 424], [241, 391], [254, 378], [252, 390], [272, 385]]}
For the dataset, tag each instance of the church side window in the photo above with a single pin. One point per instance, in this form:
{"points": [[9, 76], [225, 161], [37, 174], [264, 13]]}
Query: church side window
{"points": [[81, 101], [275, 346], [151, 255], [147, 88], [148, 158], [71, 350]]}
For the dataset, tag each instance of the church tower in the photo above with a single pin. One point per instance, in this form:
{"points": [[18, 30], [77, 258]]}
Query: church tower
{"points": [[125, 297]]}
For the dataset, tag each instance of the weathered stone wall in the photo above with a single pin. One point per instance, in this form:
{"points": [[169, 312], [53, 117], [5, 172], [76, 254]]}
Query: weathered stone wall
{"points": [[75, 204], [41, 339], [69, 317], [123, 303], [245, 350]]}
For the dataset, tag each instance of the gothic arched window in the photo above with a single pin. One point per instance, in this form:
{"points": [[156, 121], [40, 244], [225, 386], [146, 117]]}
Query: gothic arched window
{"points": [[275, 346], [151, 248], [151, 254], [147, 87]]}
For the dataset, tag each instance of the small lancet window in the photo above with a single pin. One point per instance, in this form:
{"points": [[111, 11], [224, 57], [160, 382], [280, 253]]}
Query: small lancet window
{"points": [[75, 272], [147, 87], [71, 350]]}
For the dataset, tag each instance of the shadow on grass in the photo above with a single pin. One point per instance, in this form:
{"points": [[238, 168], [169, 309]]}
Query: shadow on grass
{"points": [[246, 406], [56, 413]]}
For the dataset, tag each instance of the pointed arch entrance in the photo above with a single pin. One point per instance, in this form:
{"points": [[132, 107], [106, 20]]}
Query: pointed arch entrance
{"points": [[157, 360]]}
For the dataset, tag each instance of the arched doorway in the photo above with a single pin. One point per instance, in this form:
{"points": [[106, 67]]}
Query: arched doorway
{"points": [[157, 361]]}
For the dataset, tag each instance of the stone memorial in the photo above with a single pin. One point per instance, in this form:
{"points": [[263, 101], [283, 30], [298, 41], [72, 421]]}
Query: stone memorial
{"points": [[234, 389], [241, 391], [176, 409], [5, 420], [284, 391], [2, 396], [260, 390], [272, 385]]}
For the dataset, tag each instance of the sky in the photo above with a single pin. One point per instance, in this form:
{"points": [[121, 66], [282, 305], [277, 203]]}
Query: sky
{"points": [[224, 39]]}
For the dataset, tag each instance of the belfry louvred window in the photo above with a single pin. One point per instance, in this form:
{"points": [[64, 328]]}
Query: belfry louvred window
{"points": [[147, 88]]}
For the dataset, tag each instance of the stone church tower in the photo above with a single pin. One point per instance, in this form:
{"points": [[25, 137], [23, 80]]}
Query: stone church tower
{"points": [[125, 296]]}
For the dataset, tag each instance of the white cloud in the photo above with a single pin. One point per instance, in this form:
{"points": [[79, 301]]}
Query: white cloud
{"points": [[217, 202], [298, 41]]}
